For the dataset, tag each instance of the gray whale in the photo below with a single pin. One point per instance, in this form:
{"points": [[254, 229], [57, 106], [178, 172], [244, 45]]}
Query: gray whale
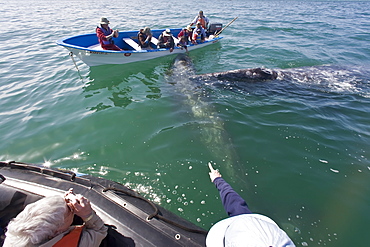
{"points": [[331, 77], [206, 119], [250, 75]]}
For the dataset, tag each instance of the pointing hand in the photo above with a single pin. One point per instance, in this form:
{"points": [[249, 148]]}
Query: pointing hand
{"points": [[213, 173]]}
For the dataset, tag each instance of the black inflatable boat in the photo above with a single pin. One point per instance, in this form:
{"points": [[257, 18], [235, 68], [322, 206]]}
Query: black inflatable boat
{"points": [[132, 220]]}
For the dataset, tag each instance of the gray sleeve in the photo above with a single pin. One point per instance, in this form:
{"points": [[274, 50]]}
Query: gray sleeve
{"points": [[93, 233]]}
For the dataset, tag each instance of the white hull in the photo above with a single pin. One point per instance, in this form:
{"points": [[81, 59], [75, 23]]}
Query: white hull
{"points": [[97, 57], [87, 48]]}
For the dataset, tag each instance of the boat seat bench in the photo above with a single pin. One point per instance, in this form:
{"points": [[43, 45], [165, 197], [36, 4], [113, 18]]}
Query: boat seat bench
{"points": [[176, 40], [13, 202], [154, 40], [96, 47], [128, 41], [132, 43]]}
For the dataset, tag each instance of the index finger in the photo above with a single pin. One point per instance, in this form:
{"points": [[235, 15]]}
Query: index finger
{"points": [[210, 166]]}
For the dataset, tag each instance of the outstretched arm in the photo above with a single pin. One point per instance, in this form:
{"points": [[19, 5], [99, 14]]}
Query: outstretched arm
{"points": [[233, 203]]}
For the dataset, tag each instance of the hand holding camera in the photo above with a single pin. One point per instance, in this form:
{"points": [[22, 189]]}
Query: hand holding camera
{"points": [[79, 204]]}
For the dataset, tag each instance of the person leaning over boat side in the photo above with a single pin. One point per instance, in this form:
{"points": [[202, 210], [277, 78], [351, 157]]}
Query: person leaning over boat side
{"points": [[145, 36], [185, 36], [202, 19], [47, 223], [105, 35], [243, 228], [166, 40]]}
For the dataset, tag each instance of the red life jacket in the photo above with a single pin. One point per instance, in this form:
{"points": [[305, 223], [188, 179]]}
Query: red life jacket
{"points": [[105, 32], [71, 239]]}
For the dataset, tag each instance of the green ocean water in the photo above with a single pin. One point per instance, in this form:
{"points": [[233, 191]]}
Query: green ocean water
{"points": [[296, 148]]}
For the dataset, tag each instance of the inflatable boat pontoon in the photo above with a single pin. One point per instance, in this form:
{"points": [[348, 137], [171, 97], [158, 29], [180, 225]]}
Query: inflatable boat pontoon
{"points": [[132, 220]]}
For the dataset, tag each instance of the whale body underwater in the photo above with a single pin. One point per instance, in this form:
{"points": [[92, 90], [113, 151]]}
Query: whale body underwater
{"points": [[253, 74], [205, 119], [330, 77], [250, 75]]}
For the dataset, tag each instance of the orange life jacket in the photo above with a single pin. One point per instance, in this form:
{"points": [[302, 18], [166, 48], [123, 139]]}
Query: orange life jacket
{"points": [[71, 239], [202, 22]]}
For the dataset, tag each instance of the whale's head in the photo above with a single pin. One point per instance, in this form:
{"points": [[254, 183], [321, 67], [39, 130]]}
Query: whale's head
{"points": [[182, 60]]}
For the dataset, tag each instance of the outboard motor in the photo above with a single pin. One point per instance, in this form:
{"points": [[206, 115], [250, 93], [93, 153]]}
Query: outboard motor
{"points": [[214, 28]]}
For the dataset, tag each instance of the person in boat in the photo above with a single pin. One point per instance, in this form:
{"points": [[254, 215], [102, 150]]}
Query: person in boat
{"points": [[166, 40], [202, 19], [242, 228], [105, 35], [199, 34], [185, 37], [47, 222], [145, 37]]}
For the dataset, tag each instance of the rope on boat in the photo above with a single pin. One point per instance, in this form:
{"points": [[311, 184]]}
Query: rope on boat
{"points": [[71, 55], [156, 211]]}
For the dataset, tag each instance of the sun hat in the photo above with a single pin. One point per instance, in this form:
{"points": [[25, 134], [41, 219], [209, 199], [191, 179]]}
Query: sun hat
{"points": [[147, 30], [167, 32], [189, 28], [247, 230], [103, 20]]}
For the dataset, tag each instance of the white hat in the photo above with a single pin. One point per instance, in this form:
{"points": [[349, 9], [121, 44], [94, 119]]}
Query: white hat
{"points": [[103, 20], [167, 32], [247, 230]]}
